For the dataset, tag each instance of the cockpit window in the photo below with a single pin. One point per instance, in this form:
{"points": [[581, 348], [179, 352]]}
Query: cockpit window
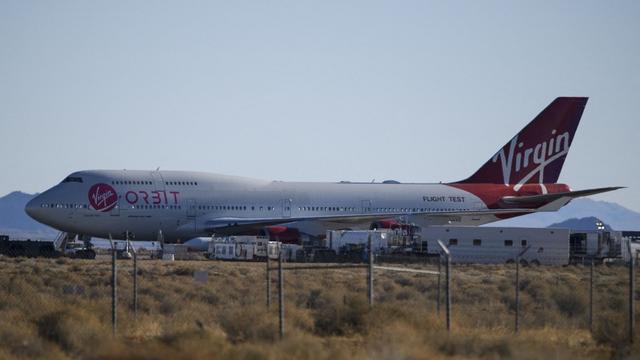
{"points": [[72, 179]]}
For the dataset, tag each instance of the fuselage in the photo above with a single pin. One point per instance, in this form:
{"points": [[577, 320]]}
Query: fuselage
{"points": [[100, 203]]}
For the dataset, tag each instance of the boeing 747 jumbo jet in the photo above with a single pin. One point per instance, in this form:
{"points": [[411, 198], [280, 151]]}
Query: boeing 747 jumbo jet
{"points": [[521, 178]]}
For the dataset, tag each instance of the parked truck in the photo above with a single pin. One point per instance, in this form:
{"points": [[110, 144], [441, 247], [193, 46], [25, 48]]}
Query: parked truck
{"points": [[342, 240], [61, 246], [249, 248]]}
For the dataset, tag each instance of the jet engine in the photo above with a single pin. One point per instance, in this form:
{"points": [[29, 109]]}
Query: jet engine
{"points": [[284, 234]]}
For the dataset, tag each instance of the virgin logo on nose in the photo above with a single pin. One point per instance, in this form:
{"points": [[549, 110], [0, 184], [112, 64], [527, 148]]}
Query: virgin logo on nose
{"points": [[103, 197]]}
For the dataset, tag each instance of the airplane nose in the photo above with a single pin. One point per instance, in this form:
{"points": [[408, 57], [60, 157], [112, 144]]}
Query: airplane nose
{"points": [[32, 208]]}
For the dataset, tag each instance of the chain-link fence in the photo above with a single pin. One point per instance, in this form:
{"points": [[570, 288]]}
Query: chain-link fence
{"points": [[63, 307]]}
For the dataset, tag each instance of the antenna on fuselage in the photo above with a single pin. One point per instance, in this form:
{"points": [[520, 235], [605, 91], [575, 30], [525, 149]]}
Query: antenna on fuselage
{"points": [[158, 168]]}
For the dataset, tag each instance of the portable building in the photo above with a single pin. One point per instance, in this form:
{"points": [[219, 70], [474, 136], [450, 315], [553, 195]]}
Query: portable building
{"points": [[494, 245]]}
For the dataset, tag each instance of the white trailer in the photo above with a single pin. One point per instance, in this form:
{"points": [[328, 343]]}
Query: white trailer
{"points": [[597, 244], [496, 245], [244, 251], [249, 248], [273, 249], [265, 247], [290, 252], [380, 239], [179, 251], [233, 248], [221, 250]]}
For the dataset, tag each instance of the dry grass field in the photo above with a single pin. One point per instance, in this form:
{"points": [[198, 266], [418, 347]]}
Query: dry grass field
{"points": [[61, 308]]}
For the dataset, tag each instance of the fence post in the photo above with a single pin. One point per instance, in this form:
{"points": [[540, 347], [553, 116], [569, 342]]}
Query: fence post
{"points": [[448, 283], [114, 287], [268, 282], [281, 295], [439, 286], [591, 297], [632, 290], [517, 295], [448, 292], [370, 272], [518, 286], [135, 279]]}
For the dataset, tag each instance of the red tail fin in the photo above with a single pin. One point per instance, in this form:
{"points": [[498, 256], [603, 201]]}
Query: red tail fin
{"points": [[536, 154]]}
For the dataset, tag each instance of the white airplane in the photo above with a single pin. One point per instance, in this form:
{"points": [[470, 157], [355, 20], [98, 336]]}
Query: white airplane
{"points": [[519, 179]]}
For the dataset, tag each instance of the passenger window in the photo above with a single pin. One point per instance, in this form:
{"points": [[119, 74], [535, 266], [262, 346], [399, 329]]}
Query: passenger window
{"points": [[453, 242], [477, 242], [508, 243]]}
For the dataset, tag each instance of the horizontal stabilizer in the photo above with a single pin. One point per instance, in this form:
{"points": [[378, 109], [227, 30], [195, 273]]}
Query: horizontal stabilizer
{"points": [[547, 198]]}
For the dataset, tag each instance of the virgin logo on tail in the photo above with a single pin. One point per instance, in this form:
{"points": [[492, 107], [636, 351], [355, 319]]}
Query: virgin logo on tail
{"points": [[540, 148], [537, 156], [103, 197]]}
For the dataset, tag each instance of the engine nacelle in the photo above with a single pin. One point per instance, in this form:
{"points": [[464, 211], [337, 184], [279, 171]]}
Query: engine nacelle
{"points": [[385, 224], [285, 235]]}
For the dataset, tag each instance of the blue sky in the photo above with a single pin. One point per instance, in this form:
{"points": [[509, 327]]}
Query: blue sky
{"points": [[359, 90]]}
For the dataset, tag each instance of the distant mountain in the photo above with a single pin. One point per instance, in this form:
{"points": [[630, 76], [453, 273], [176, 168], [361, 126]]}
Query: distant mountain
{"points": [[16, 223], [617, 216], [587, 223]]}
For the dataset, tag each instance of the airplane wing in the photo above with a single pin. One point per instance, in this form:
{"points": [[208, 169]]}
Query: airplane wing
{"points": [[222, 225]]}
